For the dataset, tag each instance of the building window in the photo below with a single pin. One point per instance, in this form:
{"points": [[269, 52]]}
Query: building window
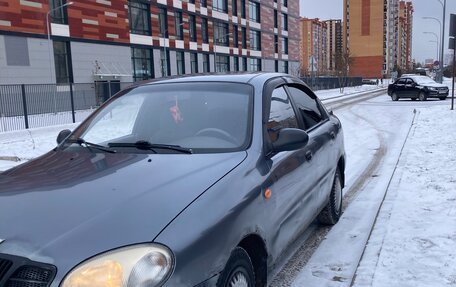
{"points": [[284, 67], [194, 63], [222, 63], [220, 5], [254, 11], [244, 63], [180, 63], [62, 61], [285, 3], [234, 8], [179, 25], [236, 64], [163, 22], [191, 1], [275, 19], [204, 30], [235, 36], [276, 66], [285, 46], [203, 3], [139, 18], [142, 64], [192, 30], [205, 63], [221, 36], [255, 64], [59, 14], [255, 40], [243, 9], [284, 22], [244, 37], [164, 63], [276, 44]]}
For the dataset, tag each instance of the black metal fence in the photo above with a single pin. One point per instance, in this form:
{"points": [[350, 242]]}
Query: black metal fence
{"points": [[31, 106], [322, 83]]}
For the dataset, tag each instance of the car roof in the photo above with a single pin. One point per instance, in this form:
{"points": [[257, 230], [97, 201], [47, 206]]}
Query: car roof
{"points": [[213, 77]]}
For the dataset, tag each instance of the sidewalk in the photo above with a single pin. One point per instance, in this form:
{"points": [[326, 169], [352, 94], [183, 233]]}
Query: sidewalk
{"points": [[414, 239]]}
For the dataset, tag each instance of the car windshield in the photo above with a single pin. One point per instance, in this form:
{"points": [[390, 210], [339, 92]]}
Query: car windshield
{"points": [[423, 80], [200, 117]]}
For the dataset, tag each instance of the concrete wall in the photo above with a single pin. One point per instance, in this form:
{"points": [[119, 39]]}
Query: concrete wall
{"points": [[39, 68], [112, 60]]}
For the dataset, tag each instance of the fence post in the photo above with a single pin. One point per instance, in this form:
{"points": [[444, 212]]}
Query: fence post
{"points": [[24, 104], [72, 103]]}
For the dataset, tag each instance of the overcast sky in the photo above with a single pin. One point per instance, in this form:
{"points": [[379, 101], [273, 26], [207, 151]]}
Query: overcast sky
{"points": [[421, 47]]}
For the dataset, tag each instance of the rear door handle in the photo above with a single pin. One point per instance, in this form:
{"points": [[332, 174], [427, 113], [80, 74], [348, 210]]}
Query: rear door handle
{"points": [[332, 135], [308, 155]]}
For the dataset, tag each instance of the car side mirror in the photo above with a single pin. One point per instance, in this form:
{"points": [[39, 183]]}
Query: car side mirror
{"points": [[63, 135], [290, 139]]}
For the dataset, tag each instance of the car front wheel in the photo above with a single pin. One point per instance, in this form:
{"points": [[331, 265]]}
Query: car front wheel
{"points": [[394, 97], [333, 209], [238, 271], [422, 96]]}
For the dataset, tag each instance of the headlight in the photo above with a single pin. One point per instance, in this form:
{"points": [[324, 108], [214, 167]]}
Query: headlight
{"points": [[432, 88], [144, 265]]}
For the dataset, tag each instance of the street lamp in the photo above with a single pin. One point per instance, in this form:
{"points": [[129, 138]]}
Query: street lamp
{"points": [[437, 41], [49, 34], [443, 39], [164, 48], [215, 48]]}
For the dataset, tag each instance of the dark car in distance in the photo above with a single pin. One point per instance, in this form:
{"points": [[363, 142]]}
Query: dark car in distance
{"points": [[191, 181], [417, 87]]}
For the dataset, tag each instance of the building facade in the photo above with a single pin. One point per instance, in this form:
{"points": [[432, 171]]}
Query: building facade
{"points": [[314, 57], [130, 40], [405, 36], [333, 43], [372, 38]]}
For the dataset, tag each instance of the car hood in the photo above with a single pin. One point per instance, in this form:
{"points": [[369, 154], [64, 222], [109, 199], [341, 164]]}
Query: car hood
{"points": [[67, 206], [434, 85]]}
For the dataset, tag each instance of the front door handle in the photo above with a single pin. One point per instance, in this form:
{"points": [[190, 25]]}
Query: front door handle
{"points": [[308, 155], [332, 135]]}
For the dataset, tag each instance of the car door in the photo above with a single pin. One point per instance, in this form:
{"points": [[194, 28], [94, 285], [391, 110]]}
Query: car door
{"points": [[292, 174], [400, 88], [322, 133], [410, 88]]}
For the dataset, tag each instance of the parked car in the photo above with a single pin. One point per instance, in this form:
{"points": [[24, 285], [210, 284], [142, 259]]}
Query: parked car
{"points": [[369, 81], [191, 181], [417, 87]]}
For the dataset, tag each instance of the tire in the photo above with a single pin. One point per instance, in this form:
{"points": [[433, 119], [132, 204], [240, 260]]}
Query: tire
{"points": [[422, 96], [442, 98], [238, 270], [394, 97], [333, 210]]}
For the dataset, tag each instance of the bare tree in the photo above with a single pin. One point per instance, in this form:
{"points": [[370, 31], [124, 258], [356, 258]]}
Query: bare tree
{"points": [[342, 63]]}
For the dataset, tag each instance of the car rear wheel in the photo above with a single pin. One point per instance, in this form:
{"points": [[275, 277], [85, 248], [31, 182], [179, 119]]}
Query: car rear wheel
{"points": [[333, 209], [394, 97], [238, 271], [422, 96]]}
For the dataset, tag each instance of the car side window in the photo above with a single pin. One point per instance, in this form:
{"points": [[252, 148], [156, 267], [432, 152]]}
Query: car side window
{"points": [[401, 82], [281, 114], [409, 82], [308, 107]]}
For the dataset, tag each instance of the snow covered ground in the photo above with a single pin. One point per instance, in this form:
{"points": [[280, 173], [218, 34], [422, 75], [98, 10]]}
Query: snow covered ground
{"points": [[413, 241]]}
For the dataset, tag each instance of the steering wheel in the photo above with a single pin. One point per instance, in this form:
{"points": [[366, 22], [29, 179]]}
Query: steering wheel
{"points": [[219, 133]]}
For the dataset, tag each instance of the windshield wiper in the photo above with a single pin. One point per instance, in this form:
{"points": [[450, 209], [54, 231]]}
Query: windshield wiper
{"points": [[90, 145], [145, 145]]}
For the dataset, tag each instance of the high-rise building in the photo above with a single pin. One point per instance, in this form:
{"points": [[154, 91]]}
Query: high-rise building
{"points": [[333, 43], [372, 38], [405, 35], [313, 46], [129, 40]]}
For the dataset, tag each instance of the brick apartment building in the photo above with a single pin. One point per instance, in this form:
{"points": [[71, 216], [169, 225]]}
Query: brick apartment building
{"points": [[371, 35], [129, 40], [313, 46]]}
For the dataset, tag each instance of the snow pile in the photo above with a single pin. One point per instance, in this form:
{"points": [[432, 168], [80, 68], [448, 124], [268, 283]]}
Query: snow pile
{"points": [[414, 240]]}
